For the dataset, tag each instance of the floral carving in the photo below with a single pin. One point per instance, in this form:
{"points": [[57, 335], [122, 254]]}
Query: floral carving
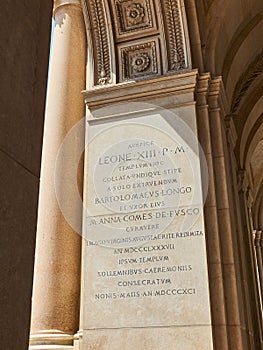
{"points": [[176, 60], [141, 62], [135, 14]]}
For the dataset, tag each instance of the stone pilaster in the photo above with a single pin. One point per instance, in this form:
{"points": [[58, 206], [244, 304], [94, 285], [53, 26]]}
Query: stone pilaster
{"points": [[254, 302], [225, 247], [244, 255], [218, 313]]}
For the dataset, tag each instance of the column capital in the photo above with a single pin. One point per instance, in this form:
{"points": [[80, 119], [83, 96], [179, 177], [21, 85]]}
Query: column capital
{"points": [[59, 3]]}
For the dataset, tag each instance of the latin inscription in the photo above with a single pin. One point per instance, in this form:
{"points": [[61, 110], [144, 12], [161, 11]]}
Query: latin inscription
{"points": [[144, 227], [141, 181]]}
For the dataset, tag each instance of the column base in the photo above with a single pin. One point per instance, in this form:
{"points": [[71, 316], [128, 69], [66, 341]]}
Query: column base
{"points": [[51, 347], [51, 340]]}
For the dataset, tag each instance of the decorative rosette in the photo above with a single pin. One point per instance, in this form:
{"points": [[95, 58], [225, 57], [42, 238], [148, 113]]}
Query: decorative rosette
{"points": [[141, 61], [135, 14]]}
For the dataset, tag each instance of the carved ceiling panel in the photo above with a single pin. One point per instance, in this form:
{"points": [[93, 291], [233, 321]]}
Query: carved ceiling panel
{"points": [[149, 38], [132, 16], [139, 60]]}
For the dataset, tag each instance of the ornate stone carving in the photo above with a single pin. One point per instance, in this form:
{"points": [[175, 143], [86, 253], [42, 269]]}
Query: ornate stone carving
{"points": [[102, 74], [122, 26], [133, 15], [175, 36], [139, 61]]}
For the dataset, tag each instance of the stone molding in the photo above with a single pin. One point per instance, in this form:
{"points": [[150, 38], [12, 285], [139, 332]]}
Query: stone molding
{"points": [[101, 44], [179, 84], [211, 92], [50, 337], [174, 32], [59, 3]]}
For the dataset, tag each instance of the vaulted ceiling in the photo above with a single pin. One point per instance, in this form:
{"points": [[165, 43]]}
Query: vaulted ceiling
{"points": [[231, 33]]}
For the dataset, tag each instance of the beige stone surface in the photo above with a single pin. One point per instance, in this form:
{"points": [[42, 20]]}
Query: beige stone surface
{"points": [[158, 148], [162, 282], [156, 338], [144, 266]]}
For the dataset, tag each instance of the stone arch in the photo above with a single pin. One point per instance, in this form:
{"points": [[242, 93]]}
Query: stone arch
{"points": [[101, 68], [251, 131], [222, 33]]}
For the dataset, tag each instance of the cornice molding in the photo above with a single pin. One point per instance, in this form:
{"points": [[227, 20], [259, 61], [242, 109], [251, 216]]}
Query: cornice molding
{"points": [[217, 95], [133, 91]]}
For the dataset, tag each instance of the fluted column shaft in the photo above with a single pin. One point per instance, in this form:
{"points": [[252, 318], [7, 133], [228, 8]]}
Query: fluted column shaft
{"points": [[56, 288]]}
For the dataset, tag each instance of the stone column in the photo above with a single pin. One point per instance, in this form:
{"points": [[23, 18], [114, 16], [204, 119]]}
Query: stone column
{"points": [[258, 251], [56, 288], [261, 242], [242, 239], [250, 258]]}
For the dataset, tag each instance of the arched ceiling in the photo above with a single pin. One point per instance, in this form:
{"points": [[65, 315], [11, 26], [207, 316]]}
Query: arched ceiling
{"points": [[231, 39], [231, 34]]}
